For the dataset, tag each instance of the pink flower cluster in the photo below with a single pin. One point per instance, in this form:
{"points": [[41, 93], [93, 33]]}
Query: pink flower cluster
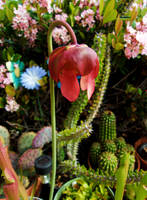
{"points": [[42, 3], [11, 105], [88, 3], [136, 39], [4, 77], [60, 35], [86, 19], [1, 5], [62, 16], [24, 23]]}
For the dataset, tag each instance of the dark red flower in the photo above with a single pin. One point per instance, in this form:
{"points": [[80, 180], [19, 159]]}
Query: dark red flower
{"points": [[66, 63]]}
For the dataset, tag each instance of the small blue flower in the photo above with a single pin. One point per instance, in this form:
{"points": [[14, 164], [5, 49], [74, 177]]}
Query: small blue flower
{"points": [[30, 78], [15, 69]]}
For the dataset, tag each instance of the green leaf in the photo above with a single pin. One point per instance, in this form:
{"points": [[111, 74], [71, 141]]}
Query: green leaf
{"points": [[72, 8], [143, 11], [4, 54], [32, 63], [119, 46], [82, 35], [9, 6], [108, 17], [16, 57], [2, 15], [9, 14], [109, 7], [118, 25], [141, 192], [76, 11], [134, 14], [101, 6], [10, 53], [110, 37], [2, 102], [10, 90], [121, 176], [139, 91], [12, 4]]}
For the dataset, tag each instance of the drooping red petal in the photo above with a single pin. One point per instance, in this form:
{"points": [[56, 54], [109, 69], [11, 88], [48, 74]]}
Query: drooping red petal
{"points": [[70, 88], [84, 82], [88, 83], [54, 60], [79, 58], [90, 87]]}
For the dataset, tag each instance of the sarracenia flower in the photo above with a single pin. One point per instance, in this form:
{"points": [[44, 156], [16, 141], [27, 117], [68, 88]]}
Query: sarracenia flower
{"points": [[12, 187], [66, 63]]}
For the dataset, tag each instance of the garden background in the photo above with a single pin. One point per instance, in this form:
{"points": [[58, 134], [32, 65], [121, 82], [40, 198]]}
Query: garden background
{"points": [[116, 30]]}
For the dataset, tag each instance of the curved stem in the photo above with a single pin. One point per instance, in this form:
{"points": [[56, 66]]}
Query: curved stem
{"points": [[52, 98]]}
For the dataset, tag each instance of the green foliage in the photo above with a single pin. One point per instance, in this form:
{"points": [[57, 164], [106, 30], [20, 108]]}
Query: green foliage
{"points": [[110, 13], [10, 91], [101, 84], [75, 110], [90, 174], [137, 190], [73, 134], [122, 6], [97, 176], [8, 8], [74, 11], [82, 189], [141, 192], [2, 102], [121, 176]]}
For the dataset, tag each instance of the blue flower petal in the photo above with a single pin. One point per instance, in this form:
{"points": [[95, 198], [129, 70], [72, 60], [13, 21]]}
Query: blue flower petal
{"points": [[30, 78]]}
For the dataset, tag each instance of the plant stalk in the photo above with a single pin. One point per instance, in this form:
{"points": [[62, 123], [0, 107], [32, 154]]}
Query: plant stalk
{"points": [[52, 98]]}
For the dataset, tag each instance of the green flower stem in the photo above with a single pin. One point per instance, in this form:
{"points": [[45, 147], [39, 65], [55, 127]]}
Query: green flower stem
{"points": [[52, 98], [39, 105]]}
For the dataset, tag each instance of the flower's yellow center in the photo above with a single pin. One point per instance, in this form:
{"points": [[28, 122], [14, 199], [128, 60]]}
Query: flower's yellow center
{"points": [[17, 71]]}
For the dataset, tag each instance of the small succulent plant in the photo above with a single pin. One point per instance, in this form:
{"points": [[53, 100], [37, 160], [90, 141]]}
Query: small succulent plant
{"points": [[129, 149], [108, 162], [27, 159], [4, 133], [42, 137], [107, 126], [94, 152], [25, 141], [120, 143], [109, 146]]}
